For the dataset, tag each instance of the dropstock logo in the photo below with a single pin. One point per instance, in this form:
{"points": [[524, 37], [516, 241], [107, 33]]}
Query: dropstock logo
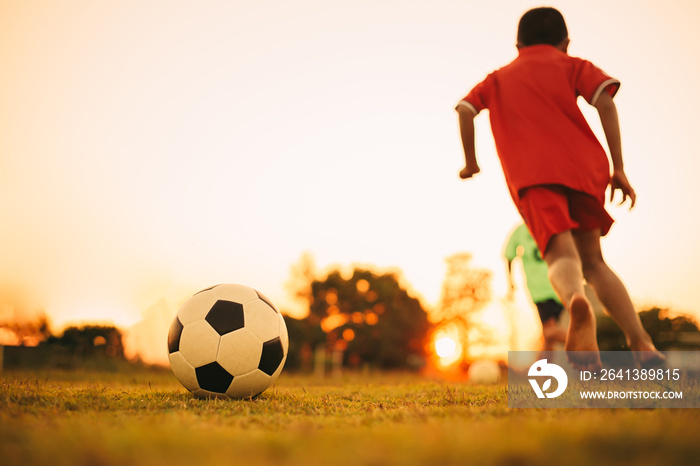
{"points": [[541, 369]]}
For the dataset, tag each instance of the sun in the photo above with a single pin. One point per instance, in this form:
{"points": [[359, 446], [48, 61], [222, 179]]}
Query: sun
{"points": [[447, 348]]}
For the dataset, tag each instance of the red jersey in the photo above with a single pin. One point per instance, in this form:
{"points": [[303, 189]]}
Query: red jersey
{"points": [[540, 133]]}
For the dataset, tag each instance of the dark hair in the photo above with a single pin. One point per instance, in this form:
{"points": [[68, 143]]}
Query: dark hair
{"points": [[543, 25]]}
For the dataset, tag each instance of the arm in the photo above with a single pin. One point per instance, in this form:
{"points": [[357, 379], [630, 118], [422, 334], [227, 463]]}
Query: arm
{"points": [[511, 283], [611, 126], [509, 254], [466, 129]]}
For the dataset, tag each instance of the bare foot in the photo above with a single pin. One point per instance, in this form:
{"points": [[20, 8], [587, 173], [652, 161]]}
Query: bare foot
{"points": [[646, 354], [581, 344], [553, 333]]}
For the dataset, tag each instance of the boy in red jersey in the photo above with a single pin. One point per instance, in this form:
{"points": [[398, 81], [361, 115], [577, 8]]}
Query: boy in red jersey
{"points": [[557, 172]]}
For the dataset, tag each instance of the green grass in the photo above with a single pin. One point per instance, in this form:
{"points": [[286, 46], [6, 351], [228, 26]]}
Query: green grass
{"points": [[147, 418]]}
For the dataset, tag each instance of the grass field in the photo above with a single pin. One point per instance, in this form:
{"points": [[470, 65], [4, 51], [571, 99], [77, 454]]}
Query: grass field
{"points": [[147, 418]]}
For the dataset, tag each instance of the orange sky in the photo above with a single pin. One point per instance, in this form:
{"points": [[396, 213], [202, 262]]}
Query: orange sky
{"points": [[152, 148]]}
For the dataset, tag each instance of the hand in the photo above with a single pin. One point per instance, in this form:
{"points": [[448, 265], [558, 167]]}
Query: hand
{"points": [[619, 181], [469, 171]]}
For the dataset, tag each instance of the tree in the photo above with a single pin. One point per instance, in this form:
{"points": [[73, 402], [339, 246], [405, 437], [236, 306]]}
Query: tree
{"points": [[28, 332], [22, 321], [465, 292], [91, 341], [370, 317], [303, 338], [298, 286], [665, 331]]}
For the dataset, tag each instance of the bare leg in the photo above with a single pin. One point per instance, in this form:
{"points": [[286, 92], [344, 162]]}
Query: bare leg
{"points": [[566, 276], [553, 335], [613, 294]]}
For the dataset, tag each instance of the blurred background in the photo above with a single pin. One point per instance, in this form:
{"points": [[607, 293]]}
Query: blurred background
{"points": [[150, 149]]}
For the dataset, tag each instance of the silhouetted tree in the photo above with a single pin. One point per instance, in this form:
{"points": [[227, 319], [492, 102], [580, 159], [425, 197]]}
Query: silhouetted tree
{"points": [[303, 339], [29, 332], [664, 330], [370, 318], [301, 275], [21, 318], [91, 341], [466, 291]]}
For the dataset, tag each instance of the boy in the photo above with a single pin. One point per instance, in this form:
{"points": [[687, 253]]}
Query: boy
{"points": [[520, 243], [557, 172]]}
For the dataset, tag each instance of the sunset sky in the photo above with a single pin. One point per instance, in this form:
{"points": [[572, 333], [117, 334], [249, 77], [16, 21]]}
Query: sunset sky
{"points": [[149, 149]]}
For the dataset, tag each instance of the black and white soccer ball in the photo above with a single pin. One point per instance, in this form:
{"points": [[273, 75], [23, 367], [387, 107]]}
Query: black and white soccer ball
{"points": [[227, 341]]}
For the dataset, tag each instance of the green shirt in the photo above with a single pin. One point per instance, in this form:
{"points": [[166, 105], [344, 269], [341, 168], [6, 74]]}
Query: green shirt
{"points": [[536, 272]]}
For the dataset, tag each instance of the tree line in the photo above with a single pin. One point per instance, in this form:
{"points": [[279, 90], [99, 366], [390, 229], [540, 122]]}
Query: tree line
{"points": [[357, 318]]}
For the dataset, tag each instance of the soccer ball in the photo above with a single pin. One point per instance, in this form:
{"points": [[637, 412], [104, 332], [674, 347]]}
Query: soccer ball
{"points": [[484, 372], [227, 341]]}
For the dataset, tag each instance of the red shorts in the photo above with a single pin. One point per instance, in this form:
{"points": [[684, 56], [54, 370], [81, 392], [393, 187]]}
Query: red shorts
{"points": [[552, 209]]}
